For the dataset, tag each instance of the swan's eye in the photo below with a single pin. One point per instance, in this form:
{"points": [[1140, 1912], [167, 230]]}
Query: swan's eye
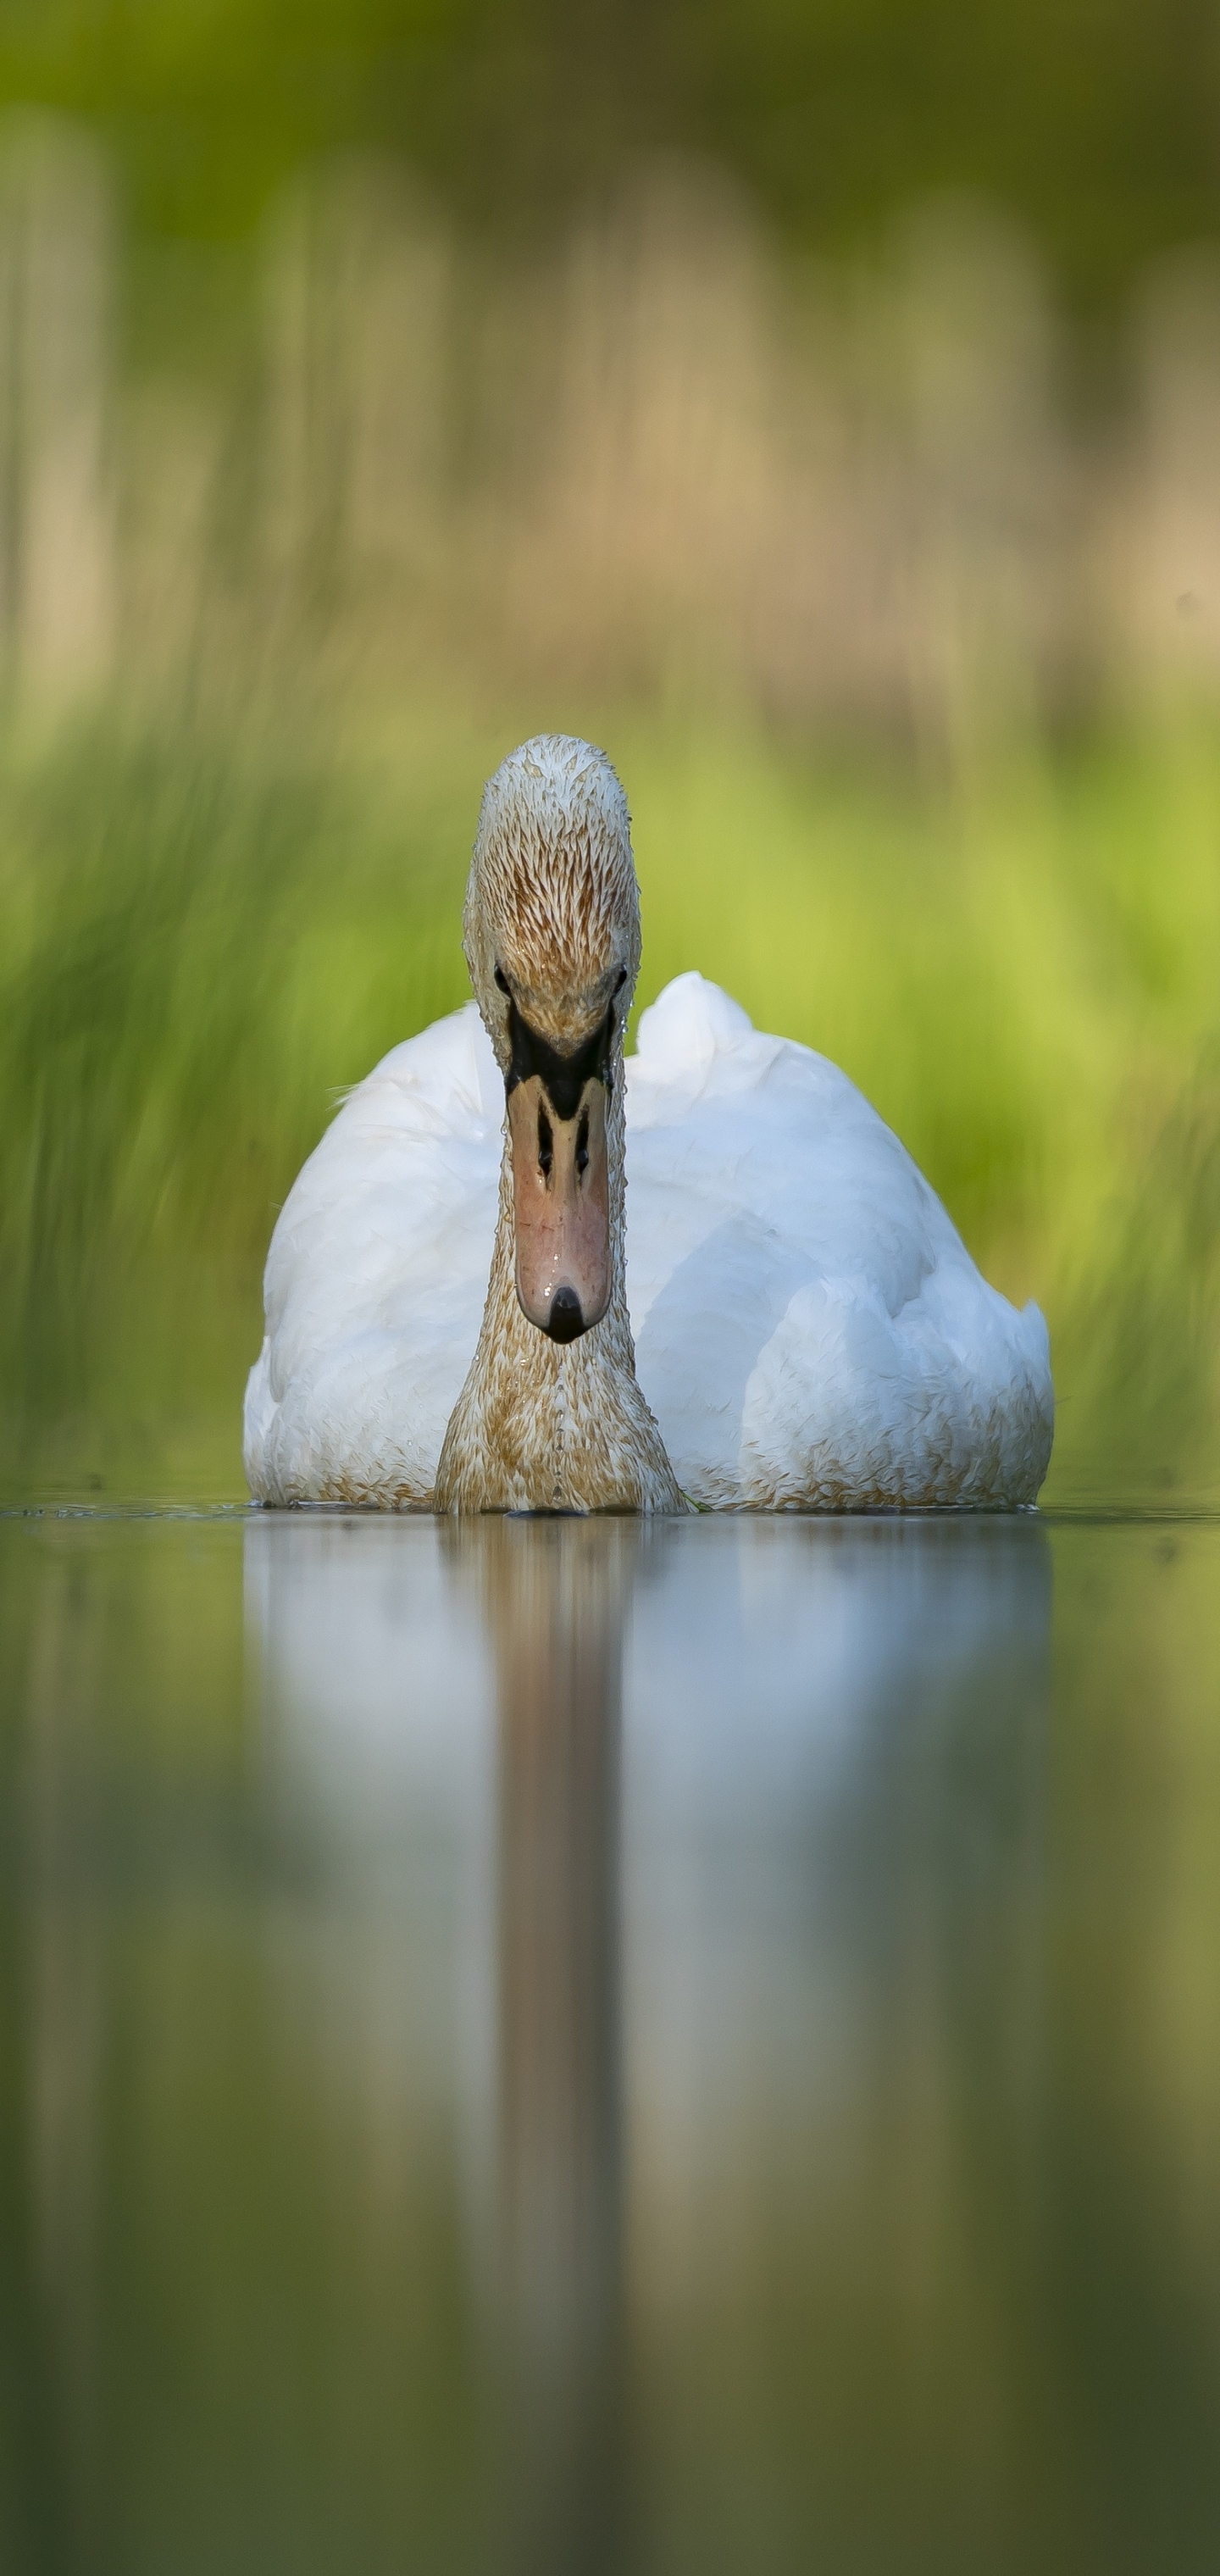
{"points": [[501, 979], [546, 1145], [582, 1142]]}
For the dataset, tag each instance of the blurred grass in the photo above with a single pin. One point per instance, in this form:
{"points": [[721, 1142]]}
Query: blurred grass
{"points": [[208, 932]]}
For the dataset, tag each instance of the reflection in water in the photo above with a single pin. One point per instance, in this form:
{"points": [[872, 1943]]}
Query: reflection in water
{"points": [[548, 1602], [554, 1598], [559, 2045], [793, 1700]]}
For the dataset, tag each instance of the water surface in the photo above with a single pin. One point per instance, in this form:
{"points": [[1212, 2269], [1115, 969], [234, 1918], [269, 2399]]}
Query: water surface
{"points": [[576, 2046]]}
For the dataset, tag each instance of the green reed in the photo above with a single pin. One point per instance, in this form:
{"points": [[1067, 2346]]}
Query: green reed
{"points": [[206, 934]]}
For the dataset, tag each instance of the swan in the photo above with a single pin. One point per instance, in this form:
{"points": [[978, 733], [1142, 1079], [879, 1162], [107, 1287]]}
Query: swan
{"points": [[796, 1326]]}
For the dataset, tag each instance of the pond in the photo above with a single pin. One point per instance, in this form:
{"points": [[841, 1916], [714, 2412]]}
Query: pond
{"points": [[578, 2046]]}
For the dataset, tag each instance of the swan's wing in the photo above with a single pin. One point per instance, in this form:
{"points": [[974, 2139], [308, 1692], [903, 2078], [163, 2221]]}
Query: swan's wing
{"points": [[376, 1278], [810, 1328]]}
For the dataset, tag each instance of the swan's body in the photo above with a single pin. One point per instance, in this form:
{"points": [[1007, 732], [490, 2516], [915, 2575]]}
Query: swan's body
{"points": [[809, 1330]]}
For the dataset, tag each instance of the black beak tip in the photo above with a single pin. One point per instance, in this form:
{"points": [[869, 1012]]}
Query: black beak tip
{"points": [[565, 1321]]}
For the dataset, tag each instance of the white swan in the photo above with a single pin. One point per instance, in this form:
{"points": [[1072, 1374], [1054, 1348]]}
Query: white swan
{"points": [[796, 1324]]}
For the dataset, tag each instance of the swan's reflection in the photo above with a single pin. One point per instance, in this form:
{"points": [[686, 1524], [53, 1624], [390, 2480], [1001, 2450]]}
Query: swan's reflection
{"points": [[535, 1615], [697, 1826], [554, 1598]]}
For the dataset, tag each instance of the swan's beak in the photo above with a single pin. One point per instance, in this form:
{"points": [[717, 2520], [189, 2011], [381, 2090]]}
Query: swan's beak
{"points": [[561, 1204]]}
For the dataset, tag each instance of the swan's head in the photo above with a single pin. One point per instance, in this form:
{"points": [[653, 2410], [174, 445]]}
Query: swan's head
{"points": [[552, 938]]}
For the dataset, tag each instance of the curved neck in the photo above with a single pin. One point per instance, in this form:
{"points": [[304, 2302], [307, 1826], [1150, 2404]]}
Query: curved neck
{"points": [[545, 1426]]}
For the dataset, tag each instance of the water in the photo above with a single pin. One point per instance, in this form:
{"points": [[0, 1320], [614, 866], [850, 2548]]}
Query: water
{"points": [[568, 2046]]}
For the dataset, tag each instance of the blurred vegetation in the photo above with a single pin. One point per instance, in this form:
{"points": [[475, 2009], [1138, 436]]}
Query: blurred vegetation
{"points": [[1095, 121], [386, 383], [206, 935], [200, 946]]}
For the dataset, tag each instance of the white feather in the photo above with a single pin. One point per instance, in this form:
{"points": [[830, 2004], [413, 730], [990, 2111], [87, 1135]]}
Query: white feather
{"points": [[810, 1329]]}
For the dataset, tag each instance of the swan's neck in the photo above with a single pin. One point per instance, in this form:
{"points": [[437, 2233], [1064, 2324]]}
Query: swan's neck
{"points": [[549, 1426]]}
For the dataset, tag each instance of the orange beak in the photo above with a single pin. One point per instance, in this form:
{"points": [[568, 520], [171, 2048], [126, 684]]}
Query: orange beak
{"points": [[561, 1206]]}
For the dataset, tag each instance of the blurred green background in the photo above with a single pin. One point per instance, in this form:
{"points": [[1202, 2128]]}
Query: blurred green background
{"points": [[1093, 120], [820, 407]]}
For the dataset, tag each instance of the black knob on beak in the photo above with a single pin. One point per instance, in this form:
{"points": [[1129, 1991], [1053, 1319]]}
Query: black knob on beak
{"points": [[565, 1321]]}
